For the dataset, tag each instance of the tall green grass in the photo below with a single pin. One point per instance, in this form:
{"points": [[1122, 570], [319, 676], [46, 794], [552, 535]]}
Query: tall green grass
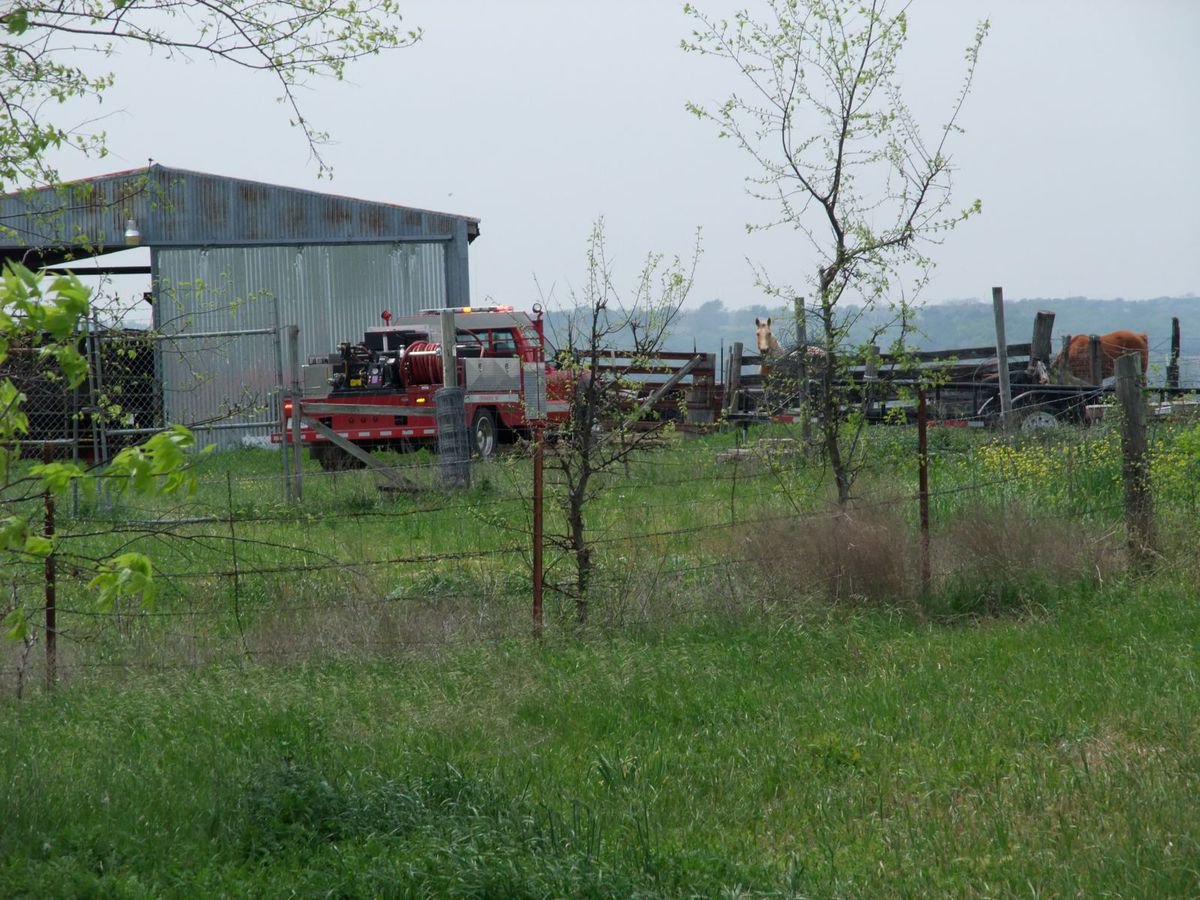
{"points": [[767, 702], [846, 755]]}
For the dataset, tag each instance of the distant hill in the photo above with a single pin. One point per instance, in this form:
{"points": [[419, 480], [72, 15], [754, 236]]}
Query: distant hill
{"points": [[968, 323]]}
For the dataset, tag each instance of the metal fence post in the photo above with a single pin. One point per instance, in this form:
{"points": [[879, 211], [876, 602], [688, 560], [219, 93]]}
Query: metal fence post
{"points": [[454, 439], [539, 445], [282, 395], [297, 395], [51, 583]]}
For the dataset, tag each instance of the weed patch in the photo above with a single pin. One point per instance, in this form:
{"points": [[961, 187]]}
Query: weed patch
{"points": [[1001, 560]]}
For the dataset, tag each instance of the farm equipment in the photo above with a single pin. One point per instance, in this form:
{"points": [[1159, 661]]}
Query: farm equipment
{"points": [[963, 385], [380, 392]]}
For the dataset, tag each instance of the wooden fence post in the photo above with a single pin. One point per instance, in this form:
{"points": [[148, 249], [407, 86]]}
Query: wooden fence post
{"points": [[1095, 359], [923, 486], [870, 380], [1002, 357], [802, 345], [1173, 365], [733, 378], [1039, 345], [1139, 501], [1064, 370]]}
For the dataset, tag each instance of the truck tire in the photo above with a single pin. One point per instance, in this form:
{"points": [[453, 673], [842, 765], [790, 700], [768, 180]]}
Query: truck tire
{"points": [[483, 433]]}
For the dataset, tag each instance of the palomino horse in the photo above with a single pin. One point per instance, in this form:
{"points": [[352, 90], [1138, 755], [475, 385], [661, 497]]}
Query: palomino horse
{"points": [[774, 353], [781, 368], [768, 344]]}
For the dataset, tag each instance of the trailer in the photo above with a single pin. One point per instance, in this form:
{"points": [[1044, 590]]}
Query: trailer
{"points": [[379, 393], [963, 385]]}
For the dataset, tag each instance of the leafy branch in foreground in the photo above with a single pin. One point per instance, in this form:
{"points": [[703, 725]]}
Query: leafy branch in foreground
{"points": [[45, 316], [42, 45]]}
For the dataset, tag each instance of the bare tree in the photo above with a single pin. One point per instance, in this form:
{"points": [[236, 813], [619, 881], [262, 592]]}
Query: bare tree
{"points": [[45, 48], [840, 155], [608, 336]]}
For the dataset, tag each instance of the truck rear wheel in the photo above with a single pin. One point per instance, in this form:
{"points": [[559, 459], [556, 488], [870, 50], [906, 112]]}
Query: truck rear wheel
{"points": [[483, 433]]}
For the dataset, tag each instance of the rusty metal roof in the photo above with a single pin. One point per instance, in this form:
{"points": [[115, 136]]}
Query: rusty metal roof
{"points": [[181, 208]]}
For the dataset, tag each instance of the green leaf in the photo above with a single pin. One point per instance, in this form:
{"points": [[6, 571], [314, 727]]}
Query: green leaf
{"points": [[57, 476], [36, 545], [16, 625], [13, 533], [17, 21], [125, 575]]}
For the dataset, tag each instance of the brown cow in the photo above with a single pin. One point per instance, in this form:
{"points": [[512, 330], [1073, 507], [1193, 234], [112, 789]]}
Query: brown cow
{"points": [[1113, 345]]}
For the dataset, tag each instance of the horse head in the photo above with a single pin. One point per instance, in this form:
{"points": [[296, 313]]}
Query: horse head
{"points": [[768, 344]]}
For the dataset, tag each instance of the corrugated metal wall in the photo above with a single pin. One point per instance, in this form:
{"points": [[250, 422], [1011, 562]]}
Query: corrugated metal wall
{"points": [[332, 292]]}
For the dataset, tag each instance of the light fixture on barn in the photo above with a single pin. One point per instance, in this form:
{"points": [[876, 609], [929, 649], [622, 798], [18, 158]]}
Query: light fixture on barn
{"points": [[133, 237]]}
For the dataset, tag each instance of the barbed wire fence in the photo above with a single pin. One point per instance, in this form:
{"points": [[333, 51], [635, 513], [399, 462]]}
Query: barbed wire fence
{"points": [[689, 530]]}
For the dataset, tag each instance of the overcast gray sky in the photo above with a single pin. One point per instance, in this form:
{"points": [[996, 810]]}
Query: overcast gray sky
{"points": [[1083, 141]]}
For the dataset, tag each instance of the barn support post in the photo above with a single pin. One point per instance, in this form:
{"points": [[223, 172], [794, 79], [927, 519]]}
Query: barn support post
{"points": [[1139, 501], [1173, 365], [1095, 360], [923, 486], [1002, 357], [297, 394]]}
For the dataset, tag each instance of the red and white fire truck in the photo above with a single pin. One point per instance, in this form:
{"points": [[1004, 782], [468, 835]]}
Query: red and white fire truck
{"points": [[380, 392]]}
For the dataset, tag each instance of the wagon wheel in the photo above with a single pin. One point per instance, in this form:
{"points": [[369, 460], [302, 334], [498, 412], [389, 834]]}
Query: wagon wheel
{"points": [[1037, 419], [1035, 412]]}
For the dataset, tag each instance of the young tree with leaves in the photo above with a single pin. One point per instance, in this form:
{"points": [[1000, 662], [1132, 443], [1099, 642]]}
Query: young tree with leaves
{"points": [[608, 336], [841, 156]]}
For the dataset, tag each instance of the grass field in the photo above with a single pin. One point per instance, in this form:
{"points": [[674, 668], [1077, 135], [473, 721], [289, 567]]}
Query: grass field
{"points": [[765, 704]]}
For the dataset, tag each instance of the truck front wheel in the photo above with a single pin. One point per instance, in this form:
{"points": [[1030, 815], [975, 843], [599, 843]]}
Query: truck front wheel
{"points": [[483, 433]]}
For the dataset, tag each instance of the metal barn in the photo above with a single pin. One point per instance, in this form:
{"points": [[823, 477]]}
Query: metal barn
{"points": [[232, 261]]}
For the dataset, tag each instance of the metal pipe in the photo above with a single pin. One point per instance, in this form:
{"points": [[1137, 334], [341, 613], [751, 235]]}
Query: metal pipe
{"points": [[193, 335]]}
